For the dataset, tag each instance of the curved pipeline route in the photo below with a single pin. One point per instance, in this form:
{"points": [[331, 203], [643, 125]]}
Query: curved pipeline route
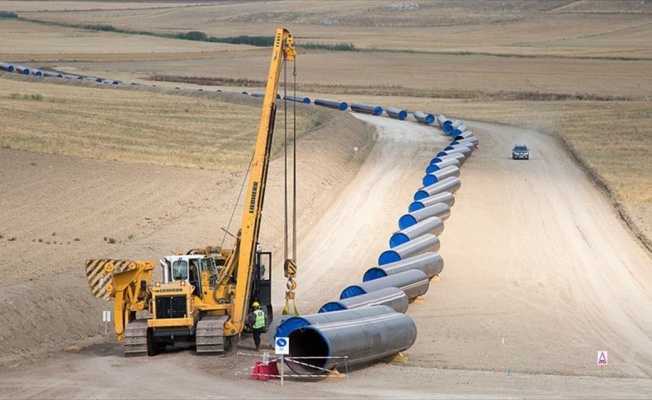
{"points": [[373, 309]]}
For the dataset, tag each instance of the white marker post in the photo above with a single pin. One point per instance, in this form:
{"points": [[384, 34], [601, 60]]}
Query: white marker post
{"points": [[106, 318], [602, 360], [282, 348]]}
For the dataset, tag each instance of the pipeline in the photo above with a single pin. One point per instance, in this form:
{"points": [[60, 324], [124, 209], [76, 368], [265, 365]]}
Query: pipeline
{"points": [[453, 145], [261, 94], [413, 282], [299, 99], [438, 176], [391, 296], [429, 263], [22, 70], [7, 67], [432, 225], [451, 184], [360, 340], [463, 135], [463, 150], [442, 164], [366, 109], [459, 157], [424, 118], [470, 139], [336, 104], [427, 242], [52, 74], [396, 113], [439, 210], [443, 197]]}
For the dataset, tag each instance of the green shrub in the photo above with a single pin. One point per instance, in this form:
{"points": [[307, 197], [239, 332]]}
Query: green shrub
{"points": [[8, 15]]}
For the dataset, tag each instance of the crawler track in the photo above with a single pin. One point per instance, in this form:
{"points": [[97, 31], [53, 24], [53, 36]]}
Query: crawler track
{"points": [[209, 337]]}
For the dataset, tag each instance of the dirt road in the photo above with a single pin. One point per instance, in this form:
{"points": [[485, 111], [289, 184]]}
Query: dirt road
{"points": [[539, 275]]}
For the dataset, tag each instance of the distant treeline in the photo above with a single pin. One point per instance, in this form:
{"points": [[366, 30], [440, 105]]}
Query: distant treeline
{"points": [[7, 15], [198, 36]]}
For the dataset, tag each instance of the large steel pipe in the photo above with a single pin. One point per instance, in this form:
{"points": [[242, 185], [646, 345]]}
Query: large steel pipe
{"points": [[463, 150], [438, 176], [460, 157], [22, 70], [439, 210], [424, 118], [52, 74], [442, 164], [366, 109], [451, 184], [427, 242], [463, 135], [413, 282], [392, 297], [470, 139], [456, 145], [443, 197], [432, 225], [290, 324], [261, 94], [396, 113], [360, 341], [445, 124], [37, 72], [298, 99], [338, 105], [7, 67], [429, 263], [78, 77]]}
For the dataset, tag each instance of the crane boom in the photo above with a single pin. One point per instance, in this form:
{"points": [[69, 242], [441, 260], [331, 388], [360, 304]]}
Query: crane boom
{"points": [[283, 50]]}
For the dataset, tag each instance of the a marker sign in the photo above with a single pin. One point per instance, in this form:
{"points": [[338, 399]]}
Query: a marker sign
{"points": [[603, 358], [282, 346]]}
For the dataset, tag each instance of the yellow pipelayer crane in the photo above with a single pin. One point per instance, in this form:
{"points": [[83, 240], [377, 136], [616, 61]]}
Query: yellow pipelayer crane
{"points": [[206, 293]]}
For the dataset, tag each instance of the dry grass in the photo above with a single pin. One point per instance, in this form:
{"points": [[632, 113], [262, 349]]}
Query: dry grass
{"points": [[196, 130], [462, 58]]}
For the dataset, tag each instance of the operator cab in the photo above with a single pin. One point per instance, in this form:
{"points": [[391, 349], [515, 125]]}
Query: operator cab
{"points": [[187, 268]]}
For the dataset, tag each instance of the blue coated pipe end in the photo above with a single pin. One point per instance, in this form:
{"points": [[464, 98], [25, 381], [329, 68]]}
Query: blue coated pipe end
{"points": [[420, 195], [373, 273], [352, 291], [429, 180], [398, 239], [415, 205], [389, 256], [332, 306], [407, 220]]}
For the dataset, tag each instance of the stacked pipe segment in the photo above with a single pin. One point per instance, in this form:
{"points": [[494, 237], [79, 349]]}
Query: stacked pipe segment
{"points": [[453, 145], [463, 150], [424, 118], [413, 282], [429, 263], [442, 164], [459, 157], [464, 135], [432, 225], [451, 184], [392, 297], [299, 99], [293, 323], [438, 176], [22, 70], [440, 210], [443, 197], [396, 113], [338, 105], [362, 340], [366, 109], [52, 74], [427, 242], [470, 139], [7, 67]]}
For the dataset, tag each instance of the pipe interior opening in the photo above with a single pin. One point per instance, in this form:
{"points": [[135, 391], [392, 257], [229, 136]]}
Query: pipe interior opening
{"points": [[308, 342]]}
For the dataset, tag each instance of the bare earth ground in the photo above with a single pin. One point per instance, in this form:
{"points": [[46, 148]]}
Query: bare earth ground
{"points": [[534, 256]]}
